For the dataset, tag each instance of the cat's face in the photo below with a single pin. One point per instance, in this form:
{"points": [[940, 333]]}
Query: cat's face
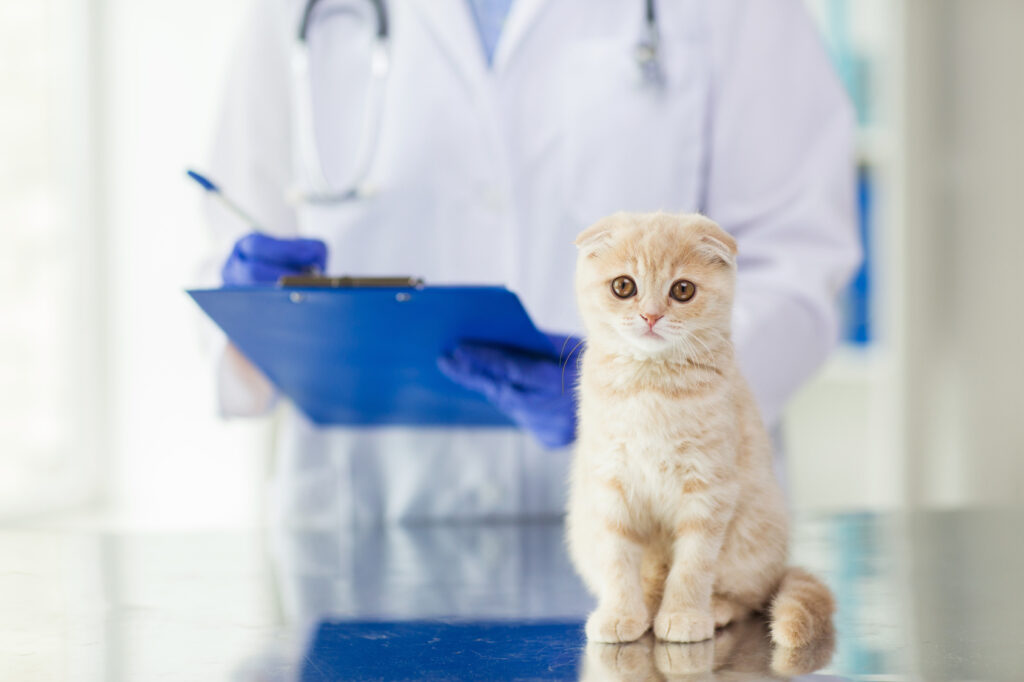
{"points": [[656, 283]]}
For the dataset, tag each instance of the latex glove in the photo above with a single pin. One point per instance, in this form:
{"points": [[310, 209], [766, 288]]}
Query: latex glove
{"points": [[260, 259], [537, 392]]}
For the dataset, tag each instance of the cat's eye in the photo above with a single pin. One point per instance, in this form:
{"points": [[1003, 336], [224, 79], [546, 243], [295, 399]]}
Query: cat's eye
{"points": [[683, 290], [623, 286]]}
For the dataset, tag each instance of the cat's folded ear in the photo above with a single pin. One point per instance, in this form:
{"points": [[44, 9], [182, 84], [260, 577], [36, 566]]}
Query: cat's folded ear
{"points": [[715, 244], [595, 238]]}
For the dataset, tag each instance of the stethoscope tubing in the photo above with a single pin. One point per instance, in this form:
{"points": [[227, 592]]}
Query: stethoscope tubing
{"points": [[380, 10], [320, 191]]}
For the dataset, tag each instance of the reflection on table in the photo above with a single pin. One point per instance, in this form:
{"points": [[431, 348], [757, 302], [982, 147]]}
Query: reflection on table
{"points": [[931, 596], [481, 602]]}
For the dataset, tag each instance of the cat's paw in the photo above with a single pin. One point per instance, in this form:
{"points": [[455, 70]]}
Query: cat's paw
{"points": [[612, 626], [684, 626]]}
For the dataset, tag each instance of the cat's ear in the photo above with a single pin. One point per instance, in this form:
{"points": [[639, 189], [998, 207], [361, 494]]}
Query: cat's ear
{"points": [[594, 239], [716, 245]]}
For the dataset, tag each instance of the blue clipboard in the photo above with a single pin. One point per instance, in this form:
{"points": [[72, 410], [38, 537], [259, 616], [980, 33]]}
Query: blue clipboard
{"points": [[368, 356]]}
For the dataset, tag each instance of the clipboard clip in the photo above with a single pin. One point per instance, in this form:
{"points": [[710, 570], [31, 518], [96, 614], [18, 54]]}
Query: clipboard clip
{"points": [[322, 282]]}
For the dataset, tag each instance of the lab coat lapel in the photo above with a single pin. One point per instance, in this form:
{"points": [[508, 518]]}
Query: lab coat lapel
{"points": [[521, 19], [451, 26]]}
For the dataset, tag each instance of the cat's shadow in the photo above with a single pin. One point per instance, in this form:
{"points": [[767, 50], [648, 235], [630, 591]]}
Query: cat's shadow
{"points": [[742, 647]]}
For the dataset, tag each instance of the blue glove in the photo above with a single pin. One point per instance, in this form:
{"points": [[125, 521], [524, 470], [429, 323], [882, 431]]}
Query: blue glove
{"points": [[260, 259], [537, 392]]}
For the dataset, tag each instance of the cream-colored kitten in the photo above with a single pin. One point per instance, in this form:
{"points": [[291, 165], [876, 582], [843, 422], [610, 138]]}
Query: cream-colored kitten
{"points": [[675, 517]]}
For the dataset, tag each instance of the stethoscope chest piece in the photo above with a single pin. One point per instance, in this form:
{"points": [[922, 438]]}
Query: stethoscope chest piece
{"points": [[648, 51]]}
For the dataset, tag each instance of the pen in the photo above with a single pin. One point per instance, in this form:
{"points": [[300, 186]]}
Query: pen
{"points": [[225, 201], [214, 190]]}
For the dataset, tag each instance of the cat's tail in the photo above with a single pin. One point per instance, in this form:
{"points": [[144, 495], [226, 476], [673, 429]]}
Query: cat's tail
{"points": [[801, 611]]}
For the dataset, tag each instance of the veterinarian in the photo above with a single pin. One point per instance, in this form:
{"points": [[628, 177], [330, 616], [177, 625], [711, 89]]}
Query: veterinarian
{"points": [[469, 141]]}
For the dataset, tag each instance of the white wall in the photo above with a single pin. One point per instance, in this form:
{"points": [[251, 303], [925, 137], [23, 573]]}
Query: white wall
{"points": [[160, 67], [965, 175], [844, 430]]}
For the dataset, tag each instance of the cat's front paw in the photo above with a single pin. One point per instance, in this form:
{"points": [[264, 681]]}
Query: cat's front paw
{"points": [[684, 626], [612, 626]]}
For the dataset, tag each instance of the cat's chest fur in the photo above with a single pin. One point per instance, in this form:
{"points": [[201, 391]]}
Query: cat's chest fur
{"points": [[654, 414], [665, 449], [662, 433]]}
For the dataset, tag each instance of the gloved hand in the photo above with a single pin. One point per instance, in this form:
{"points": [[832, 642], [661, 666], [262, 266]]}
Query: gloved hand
{"points": [[260, 259], [537, 392]]}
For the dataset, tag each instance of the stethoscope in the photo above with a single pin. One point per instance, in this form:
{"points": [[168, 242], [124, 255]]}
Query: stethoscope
{"points": [[320, 190]]}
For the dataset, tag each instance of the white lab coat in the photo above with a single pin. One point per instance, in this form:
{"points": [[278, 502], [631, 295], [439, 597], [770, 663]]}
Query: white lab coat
{"points": [[486, 176]]}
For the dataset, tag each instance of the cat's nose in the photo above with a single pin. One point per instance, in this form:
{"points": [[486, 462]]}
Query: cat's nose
{"points": [[651, 318]]}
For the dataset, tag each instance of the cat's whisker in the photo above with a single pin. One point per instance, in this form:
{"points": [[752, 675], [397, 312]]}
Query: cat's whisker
{"points": [[562, 351], [691, 350], [697, 339], [579, 358]]}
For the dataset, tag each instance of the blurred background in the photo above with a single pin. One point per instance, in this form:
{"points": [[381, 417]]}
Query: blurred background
{"points": [[107, 402]]}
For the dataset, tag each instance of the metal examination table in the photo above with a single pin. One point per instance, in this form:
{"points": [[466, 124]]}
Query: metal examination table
{"points": [[923, 595]]}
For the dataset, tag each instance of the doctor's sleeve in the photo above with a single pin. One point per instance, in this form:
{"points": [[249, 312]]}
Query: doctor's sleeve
{"points": [[251, 160], [780, 178]]}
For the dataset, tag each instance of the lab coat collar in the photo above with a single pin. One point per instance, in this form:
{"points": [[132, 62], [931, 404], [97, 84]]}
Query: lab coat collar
{"points": [[451, 25]]}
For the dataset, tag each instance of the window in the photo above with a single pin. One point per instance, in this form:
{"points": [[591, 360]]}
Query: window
{"points": [[51, 399]]}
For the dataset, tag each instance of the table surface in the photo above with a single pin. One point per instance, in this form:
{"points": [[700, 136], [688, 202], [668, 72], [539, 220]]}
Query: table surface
{"points": [[922, 595]]}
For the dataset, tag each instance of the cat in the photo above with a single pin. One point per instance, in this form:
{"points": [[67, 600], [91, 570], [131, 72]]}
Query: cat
{"points": [[675, 519]]}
